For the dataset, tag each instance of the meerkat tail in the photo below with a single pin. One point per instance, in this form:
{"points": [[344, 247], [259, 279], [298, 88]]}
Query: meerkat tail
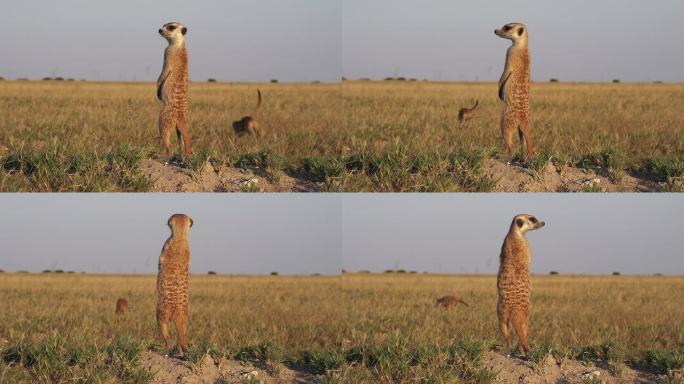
{"points": [[473, 108], [464, 303]]}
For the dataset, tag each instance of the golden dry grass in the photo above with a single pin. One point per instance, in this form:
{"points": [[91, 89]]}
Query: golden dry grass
{"points": [[358, 328], [64, 124], [413, 128]]}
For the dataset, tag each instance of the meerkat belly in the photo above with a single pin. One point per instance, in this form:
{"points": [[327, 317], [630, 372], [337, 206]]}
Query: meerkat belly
{"points": [[514, 288]]}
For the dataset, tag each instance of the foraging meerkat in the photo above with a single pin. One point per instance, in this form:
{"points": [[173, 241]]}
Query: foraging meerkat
{"points": [[465, 114], [514, 89], [513, 280], [249, 124], [172, 90], [172, 281], [122, 306], [450, 301]]}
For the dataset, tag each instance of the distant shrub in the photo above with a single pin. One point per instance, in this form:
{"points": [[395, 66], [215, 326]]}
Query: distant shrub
{"points": [[344, 78], [211, 80], [401, 78], [553, 80], [344, 271], [274, 81], [315, 82], [389, 271], [59, 271], [2, 78], [47, 78], [22, 271], [364, 271], [616, 273], [71, 79], [413, 271], [413, 79], [47, 271], [616, 81], [315, 274], [22, 79], [274, 273], [59, 78], [389, 78], [71, 272], [2, 271], [657, 274], [365, 79], [401, 271], [211, 273], [554, 273], [657, 82]]}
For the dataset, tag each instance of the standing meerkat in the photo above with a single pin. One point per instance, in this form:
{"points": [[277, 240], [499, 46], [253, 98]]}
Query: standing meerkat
{"points": [[172, 281], [465, 114], [513, 280], [249, 124], [122, 306], [514, 89], [450, 301], [172, 90]]}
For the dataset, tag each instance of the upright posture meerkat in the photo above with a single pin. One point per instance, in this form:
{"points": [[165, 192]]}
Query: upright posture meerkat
{"points": [[122, 306], [514, 89], [172, 90], [513, 280], [172, 281], [249, 124], [465, 114], [450, 301]]}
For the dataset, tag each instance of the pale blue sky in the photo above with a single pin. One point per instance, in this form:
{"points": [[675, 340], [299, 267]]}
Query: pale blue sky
{"points": [[231, 40], [463, 233], [124, 233], [323, 233], [580, 40]]}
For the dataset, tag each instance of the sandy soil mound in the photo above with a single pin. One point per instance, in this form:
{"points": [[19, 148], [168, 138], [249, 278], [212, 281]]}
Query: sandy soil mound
{"points": [[210, 178], [515, 370], [552, 178], [172, 370]]}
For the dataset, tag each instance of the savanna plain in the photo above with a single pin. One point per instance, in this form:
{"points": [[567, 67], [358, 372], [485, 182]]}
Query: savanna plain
{"points": [[358, 136], [358, 328]]}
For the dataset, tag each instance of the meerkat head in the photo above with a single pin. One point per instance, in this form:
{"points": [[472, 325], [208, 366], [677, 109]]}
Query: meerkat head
{"points": [[179, 221], [523, 223], [513, 31], [173, 32]]}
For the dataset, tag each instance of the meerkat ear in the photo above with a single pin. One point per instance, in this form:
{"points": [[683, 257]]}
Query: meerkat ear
{"points": [[184, 30], [519, 222], [191, 222], [521, 30]]}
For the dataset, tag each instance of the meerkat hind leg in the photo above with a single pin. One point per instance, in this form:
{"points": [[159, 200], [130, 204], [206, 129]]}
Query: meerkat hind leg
{"points": [[182, 338], [165, 129], [164, 328], [526, 140], [519, 321], [184, 139], [505, 331]]}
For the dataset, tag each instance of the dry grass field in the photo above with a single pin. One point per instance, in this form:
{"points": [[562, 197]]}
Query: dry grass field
{"points": [[360, 136], [360, 328], [405, 135], [84, 136]]}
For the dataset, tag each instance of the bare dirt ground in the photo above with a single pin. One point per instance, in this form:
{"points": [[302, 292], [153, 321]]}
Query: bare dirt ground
{"points": [[561, 178], [222, 371], [551, 370], [211, 178]]}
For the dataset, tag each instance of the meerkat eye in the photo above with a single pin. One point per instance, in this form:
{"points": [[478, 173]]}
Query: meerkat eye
{"points": [[521, 31], [506, 28], [532, 219], [171, 27]]}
